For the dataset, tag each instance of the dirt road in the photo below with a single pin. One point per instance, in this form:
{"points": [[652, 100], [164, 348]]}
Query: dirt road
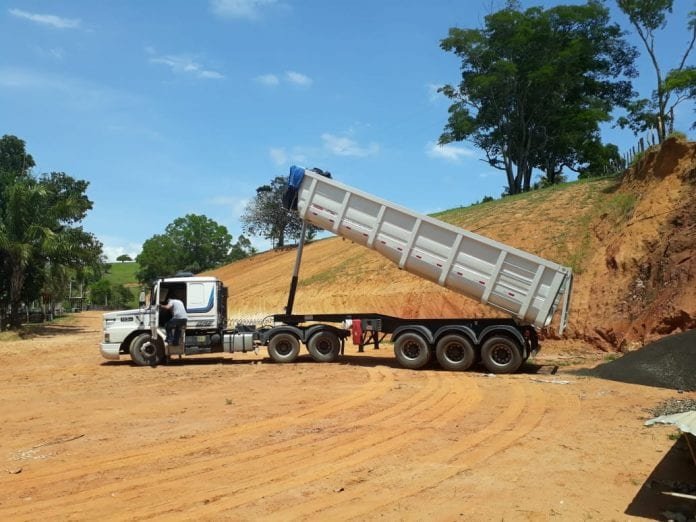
{"points": [[244, 439]]}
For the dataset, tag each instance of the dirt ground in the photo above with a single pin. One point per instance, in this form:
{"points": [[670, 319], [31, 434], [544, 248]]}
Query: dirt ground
{"points": [[244, 439]]}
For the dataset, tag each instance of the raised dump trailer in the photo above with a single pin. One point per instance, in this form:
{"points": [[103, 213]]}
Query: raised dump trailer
{"points": [[525, 286]]}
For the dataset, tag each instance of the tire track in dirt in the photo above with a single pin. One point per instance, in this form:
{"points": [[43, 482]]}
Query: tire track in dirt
{"points": [[564, 408], [378, 440], [271, 464], [257, 455], [255, 486], [360, 500], [380, 381]]}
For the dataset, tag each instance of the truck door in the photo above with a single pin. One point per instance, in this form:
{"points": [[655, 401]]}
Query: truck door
{"points": [[200, 304], [154, 310]]}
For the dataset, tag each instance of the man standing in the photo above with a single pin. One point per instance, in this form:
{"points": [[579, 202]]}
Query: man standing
{"points": [[177, 320]]}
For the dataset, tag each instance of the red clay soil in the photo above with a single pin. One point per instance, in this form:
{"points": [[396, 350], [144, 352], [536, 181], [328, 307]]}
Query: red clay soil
{"points": [[241, 438]]}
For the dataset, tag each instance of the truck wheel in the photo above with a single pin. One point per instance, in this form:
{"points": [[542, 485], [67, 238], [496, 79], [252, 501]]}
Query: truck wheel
{"points": [[146, 351], [324, 346], [412, 351], [501, 354], [284, 348], [454, 352]]}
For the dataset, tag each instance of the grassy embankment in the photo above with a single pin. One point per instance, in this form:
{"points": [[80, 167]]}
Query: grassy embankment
{"points": [[124, 274]]}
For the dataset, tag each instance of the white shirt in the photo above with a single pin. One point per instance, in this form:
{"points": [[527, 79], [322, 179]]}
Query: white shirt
{"points": [[178, 309]]}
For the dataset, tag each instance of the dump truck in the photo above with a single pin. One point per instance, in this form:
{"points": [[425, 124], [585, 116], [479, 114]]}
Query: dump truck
{"points": [[531, 290]]}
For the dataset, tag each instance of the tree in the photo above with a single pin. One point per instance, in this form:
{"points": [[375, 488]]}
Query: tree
{"points": [[241, 249], [14, 160], [38, 237], [535, 85], [678, 85], [194, 243], [600, 160], [103, 293], [266, 216], [158, 258], [123, 258]]}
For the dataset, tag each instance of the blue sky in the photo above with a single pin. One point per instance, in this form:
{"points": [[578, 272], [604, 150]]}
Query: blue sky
{"points": [[176, 107]]}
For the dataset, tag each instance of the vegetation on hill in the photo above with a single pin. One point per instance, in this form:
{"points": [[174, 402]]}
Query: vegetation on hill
{"points": [[122, 273]]}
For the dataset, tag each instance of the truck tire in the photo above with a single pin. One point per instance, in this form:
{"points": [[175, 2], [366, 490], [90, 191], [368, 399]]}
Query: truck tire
{"points": [[455, 352], [324, 346], [146, 351], [412, 351], [500, 354], [284, 347]]}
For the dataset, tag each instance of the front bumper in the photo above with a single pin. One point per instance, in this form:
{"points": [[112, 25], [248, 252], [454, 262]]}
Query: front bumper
{"points": [[110, 351]]}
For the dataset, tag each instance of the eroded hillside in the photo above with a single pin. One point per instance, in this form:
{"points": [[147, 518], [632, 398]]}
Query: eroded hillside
{"points": [[631, 243]]}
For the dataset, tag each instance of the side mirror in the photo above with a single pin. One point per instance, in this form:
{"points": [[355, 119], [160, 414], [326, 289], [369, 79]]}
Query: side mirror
{"points": [[141, 300]]}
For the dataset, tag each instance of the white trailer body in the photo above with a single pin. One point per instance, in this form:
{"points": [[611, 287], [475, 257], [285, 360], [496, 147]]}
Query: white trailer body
{"points": [[524, 285]]}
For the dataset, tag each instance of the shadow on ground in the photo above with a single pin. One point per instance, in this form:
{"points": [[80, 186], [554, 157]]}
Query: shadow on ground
{"points": [[49, 329], [676, 472], [362, 360]]}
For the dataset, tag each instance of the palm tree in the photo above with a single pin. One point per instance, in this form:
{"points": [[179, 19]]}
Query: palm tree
{"points": [[23, 233]]}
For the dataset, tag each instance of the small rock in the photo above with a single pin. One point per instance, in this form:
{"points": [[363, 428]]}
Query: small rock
{"points": [[339, 490], [14, 471]]}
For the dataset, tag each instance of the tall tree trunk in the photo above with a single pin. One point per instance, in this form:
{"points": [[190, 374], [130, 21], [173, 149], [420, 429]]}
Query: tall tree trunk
{"points": [[16, 283], [281, 238], [527, 178]]}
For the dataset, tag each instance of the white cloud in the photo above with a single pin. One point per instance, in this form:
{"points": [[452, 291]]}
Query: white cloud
{"points": [[448, 152], [184, 64], [293, 77], [298, 78], [112, 251], [278, 155], [79, 94], [47, 19], [344, 146], [283, 157], [433, 95], [53, 53], [249, 9], [236, 205], [270, 80]]}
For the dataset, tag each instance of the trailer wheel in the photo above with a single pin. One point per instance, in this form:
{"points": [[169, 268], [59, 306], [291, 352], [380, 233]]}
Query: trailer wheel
{"points": [[284, 348], [501, 354], [455, 352], [412, 351], [146, 351], [324, 346]]}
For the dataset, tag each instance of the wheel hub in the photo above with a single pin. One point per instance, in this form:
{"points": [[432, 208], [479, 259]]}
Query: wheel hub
{"points": [[455, 352], [324, 347], [411, 350], [501, 354], [148, 349], [284, 348]]}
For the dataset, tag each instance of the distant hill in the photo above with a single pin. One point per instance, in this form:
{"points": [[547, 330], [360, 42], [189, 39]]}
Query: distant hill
{"points": [[630, 241], [123, 273]]}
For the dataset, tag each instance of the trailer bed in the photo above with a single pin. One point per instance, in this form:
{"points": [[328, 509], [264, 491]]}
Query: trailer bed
{"points": [[525, 286]]}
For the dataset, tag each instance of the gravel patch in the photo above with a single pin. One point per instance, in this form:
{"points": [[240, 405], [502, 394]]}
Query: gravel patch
{"points": [[672, 406], [667, 363]]}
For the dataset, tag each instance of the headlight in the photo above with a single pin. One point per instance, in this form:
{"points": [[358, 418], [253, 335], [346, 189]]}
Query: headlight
{"points": [[107, 338]]}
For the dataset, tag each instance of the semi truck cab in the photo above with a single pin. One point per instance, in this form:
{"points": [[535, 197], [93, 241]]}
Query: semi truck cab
{"points": [[141, 332]]}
